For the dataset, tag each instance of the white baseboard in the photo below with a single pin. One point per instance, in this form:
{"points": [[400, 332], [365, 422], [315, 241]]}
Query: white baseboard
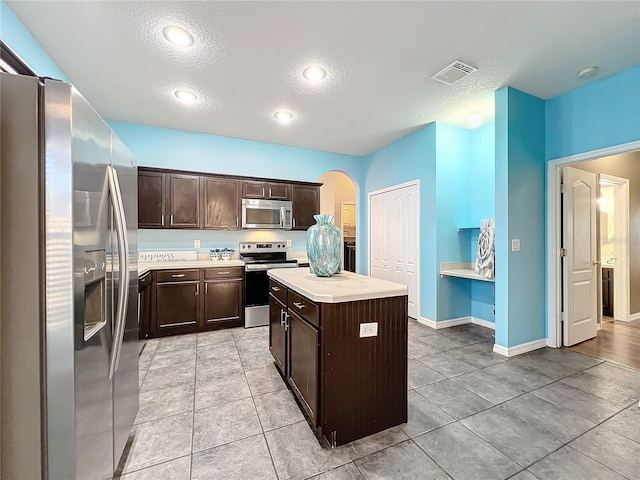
{"points": [[483, 323], [444, 323], [634, 316], [552, 345], [456, 321], [520, 349]]}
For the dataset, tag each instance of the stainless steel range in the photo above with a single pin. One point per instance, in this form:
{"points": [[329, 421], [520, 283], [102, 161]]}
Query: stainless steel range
{"points": [[258, 257]]}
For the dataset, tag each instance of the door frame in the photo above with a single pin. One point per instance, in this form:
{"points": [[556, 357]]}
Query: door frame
{"points": [[554, 229], [621, 298], [410, 183]]}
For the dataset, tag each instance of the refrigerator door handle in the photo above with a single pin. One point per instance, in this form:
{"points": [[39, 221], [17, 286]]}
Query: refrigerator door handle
{"points": [[123, 268]]}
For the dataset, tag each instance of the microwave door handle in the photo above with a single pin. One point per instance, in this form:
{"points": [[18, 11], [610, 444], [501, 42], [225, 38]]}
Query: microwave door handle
{"points": [[123, 269], [283, 212]]}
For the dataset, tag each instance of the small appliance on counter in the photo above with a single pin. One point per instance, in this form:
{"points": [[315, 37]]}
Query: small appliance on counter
{"points": [[258, 257]]}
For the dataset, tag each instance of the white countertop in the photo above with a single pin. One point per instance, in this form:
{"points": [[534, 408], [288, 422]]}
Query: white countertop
{"points": [[342, 287], [144, 267]]}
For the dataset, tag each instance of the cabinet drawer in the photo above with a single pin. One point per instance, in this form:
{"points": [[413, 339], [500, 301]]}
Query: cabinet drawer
{"points": [[277, 290], [178, 275], [303, 307], [223, 273]]}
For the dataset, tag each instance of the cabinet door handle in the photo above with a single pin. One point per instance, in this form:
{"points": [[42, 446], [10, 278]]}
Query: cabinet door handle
{"points": [[262, 192], [178, 275], [171, 219], [206, 289], [197, 289], [237, 221], [275, 289], [299, 305], [269, 192], [294, 223], [224, 273], [282, 320], [162, 219]]}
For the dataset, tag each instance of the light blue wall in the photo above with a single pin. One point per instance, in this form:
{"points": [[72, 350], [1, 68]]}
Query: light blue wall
{"points": [[598, 115], [14, 34], [520, 213], [447, 160], [453, 187], [410, 158], [199, 152]]}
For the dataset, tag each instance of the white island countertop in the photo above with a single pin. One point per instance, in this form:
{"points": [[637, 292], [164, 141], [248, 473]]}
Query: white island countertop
{"points": [[342, 287]]}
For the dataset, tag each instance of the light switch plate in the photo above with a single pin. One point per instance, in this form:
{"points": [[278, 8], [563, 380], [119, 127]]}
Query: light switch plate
{"points": [[288, 243], [369, 329], [515, 245], [196, 244]]}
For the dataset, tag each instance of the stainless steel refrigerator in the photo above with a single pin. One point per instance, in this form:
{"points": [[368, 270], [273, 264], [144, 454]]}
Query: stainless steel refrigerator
{"points": [[68, 278]]}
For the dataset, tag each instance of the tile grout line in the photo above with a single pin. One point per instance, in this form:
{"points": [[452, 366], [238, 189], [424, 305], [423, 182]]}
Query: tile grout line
{"points": [[275, 471]]}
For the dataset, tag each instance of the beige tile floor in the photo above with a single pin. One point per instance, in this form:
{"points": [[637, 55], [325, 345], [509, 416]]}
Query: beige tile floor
{"points": [[212, 406]]}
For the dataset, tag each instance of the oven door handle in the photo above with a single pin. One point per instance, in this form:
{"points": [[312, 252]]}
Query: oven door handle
{"points": [[268, 266]]}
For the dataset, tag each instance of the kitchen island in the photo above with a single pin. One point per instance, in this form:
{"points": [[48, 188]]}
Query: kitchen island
{"points": [[340, 344]]}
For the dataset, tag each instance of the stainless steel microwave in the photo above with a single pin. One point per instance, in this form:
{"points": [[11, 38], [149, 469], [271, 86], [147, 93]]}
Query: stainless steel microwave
{"points": [[266, 214]]}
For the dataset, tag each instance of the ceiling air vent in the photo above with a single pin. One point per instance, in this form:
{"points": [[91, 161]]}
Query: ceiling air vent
{"points": [[454, 72]]}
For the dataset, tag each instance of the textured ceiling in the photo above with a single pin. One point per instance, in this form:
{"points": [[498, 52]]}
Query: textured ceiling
{"points": [[247, 60]]}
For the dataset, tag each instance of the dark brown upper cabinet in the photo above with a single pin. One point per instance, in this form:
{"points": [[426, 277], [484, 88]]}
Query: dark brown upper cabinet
{"points": [[221, 203], [306, 204], [168, 200], [151, 199], [266, 190], [184, 201]]}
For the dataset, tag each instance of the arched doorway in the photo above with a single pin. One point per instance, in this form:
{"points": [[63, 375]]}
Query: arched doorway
{"points": [[338, 197]]}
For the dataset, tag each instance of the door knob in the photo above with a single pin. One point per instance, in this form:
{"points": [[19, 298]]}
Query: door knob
{"points": [[596, 263]]}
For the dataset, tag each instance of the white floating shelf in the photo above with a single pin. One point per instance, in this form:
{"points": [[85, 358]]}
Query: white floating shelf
{"points": [[462, 270], [460, 229]]}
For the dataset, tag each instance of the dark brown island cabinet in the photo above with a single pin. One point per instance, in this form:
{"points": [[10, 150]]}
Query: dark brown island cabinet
{"points": [[180, 301], [191, 200], [340, 344]]}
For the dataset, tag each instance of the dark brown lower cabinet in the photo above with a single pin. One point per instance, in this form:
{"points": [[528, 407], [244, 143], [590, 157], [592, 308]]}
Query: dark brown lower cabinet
{"points": [[222, 304], [303, 363], [177, 307], [277, 333], [196, 300], [144, 305]]}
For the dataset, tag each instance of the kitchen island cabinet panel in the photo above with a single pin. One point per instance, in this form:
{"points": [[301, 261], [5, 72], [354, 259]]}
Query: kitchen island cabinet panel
{"points": [[348, 365], [221, 203], [278, 333], [303, 363]]}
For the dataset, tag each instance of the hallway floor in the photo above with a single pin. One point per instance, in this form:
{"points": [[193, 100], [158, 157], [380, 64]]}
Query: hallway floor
{"points": [[616, 341], [212, 406]]}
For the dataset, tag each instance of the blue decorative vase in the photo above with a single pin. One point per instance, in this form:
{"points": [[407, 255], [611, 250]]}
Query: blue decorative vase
{"points": [[324, 241]]}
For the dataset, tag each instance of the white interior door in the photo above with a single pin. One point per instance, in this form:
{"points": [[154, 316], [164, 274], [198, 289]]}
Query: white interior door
{"points": [[580, 266], [394, 239]]}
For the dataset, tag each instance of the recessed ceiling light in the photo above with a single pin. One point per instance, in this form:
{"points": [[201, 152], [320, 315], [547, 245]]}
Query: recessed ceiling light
{"points": [[178, 36], [185, 96], [283, 116], [314, 74], [588, 72], [474, 120]]}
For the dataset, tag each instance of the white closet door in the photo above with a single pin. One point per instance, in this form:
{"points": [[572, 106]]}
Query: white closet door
{"points": [[394, 237]]}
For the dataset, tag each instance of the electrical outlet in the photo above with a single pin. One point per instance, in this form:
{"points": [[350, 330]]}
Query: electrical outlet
{"points": [[196, 244], [288, 243], [515, 245], [369, 329]]}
